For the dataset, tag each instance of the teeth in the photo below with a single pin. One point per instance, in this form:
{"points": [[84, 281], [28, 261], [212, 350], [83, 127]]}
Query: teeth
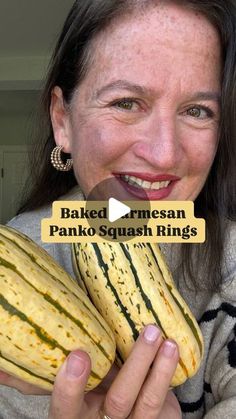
{"points": [[132, 180]]}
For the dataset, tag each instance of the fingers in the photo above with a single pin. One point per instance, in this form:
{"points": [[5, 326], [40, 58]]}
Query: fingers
{"points": [[155, 389], [136, 388], [68, 393], [20, 385], [126, 387], [105, 384]]}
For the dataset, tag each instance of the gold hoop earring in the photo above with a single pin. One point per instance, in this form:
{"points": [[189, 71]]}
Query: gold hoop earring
{"points": [[57, 162]]}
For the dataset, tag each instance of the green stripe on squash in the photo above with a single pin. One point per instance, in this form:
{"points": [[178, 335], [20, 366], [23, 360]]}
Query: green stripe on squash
{"points": [[23, 262], [109, 273]]}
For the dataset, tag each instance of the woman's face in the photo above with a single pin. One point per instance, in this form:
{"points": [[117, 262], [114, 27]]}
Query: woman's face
{"points": [[148, 110]]}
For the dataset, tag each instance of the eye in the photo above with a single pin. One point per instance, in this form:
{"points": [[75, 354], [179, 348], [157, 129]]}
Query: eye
{"points": [[126, 104], [200, 112]]}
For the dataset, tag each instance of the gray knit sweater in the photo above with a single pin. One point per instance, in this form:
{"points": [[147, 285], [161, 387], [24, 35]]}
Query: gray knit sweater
{"points": [[211, 394]]}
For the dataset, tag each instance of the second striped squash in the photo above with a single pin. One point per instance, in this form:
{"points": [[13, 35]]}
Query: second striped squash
{"points": [[131, 286]]}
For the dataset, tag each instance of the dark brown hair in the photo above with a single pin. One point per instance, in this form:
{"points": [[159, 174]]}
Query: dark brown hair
{"points": [[69, 63]]}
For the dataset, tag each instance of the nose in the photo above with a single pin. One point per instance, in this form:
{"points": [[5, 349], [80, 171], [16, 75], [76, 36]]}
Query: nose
{"points": [[158, 144]]}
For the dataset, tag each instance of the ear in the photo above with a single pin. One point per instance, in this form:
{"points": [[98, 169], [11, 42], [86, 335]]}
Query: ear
{"points": [[60, 120]]}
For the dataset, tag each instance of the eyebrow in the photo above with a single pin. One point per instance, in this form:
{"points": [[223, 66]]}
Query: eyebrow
{"points": [[207, 96], [140, 90], [123, 85]]}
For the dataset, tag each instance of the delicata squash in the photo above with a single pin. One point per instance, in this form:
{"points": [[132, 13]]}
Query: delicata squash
{"points": [[131, 286], [44, 315]]}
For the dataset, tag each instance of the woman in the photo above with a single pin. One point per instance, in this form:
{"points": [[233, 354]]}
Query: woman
{"points": [[146, 89]]}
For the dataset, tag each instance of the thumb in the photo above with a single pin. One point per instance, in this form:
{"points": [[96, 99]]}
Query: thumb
{"points": [[68, 391]]}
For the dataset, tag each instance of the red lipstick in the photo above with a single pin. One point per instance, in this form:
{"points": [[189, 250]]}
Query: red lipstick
{"points": [[148, 176], [150, 194]]}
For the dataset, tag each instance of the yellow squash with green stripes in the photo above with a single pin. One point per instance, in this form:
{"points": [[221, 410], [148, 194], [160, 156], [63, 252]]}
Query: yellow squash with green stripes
{"points": [[131, 286], [44, 315]]}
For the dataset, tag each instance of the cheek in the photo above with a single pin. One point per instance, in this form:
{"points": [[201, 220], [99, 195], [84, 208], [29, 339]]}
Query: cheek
{"points": [[201, 156], [97, 144]]}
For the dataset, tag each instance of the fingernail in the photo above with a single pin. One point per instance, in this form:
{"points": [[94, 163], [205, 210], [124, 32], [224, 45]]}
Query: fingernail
{"points": [[151, 333], [75, 365], [169, 348]]}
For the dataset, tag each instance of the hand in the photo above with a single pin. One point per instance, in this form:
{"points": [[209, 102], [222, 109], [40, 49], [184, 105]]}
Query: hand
{"points": [[22, 386], [134, 392]]}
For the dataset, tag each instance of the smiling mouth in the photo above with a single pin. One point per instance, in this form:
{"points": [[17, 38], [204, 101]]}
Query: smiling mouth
{"points": [[144, 184]]}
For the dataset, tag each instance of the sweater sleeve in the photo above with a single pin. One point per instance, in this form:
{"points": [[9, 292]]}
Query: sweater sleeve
{"points": [[211, 393], [221, 368], [221, 365]]}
